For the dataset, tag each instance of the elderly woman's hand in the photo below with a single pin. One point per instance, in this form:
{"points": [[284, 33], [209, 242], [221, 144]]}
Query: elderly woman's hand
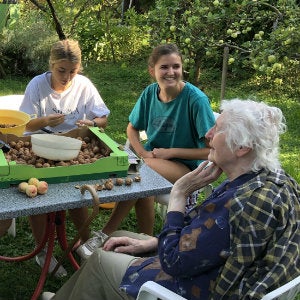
{"points": [[129, 245], [192, 181]]}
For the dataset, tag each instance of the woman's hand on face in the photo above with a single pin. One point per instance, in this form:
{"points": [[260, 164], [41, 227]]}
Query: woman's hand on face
{"points": [[203, 175], [55, 119], [129, 245], [191, 182]]}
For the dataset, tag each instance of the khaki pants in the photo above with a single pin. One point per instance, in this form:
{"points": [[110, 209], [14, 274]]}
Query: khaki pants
{"points": [[100, 276]]}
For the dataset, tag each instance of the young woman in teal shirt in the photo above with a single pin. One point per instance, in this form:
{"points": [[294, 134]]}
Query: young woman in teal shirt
{"points": [[175, 116]]}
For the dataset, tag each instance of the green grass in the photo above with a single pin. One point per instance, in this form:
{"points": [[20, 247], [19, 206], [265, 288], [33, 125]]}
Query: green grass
{"points": [[120, 85]]}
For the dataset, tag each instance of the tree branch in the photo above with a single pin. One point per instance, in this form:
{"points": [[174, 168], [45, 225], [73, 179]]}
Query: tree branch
{"points": [[82, 8], [39, 6], [277, 11], [58, 27]]}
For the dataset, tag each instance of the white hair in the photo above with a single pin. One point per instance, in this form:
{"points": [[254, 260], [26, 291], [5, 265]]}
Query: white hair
{"points": [[257, 126]]}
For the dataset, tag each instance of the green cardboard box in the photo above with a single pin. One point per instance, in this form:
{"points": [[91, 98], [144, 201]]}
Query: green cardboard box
{"points": [[114, 165]]}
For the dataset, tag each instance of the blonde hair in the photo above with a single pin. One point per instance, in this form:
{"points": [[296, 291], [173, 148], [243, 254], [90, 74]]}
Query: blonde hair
{"points": [[65, 50]]}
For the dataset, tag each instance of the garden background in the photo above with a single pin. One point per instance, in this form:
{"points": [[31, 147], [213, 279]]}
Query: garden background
{"points": [[262, 39]]}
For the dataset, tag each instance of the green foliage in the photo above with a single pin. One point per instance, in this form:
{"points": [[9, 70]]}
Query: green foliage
{"points": [[253, 30], [128, 80], [109, 39], [262, 36], [3, 15], [104, 34], [27, 46]]}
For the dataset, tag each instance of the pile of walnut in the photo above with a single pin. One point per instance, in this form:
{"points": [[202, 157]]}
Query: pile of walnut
{"points": [[21, 152], [109, 183]]}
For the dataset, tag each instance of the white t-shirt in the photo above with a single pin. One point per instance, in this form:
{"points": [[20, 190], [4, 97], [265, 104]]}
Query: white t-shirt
{"points": [[80, 101]]}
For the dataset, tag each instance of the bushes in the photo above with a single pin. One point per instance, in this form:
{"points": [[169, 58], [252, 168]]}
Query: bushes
{"points": [[25, 42], [254, 31]]}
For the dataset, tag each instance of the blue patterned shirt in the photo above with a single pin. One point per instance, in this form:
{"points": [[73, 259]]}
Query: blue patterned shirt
{"points": [[192, 249]]}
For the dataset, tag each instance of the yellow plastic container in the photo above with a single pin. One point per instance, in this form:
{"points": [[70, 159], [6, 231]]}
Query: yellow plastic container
{"points": [[14, 117], [108, 205]]}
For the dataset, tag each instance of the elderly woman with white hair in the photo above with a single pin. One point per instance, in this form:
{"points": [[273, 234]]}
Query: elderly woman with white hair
{"points": [[242, 242]]}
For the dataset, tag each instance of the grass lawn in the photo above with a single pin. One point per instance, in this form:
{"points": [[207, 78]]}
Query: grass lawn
{"points": [[120, 86]]}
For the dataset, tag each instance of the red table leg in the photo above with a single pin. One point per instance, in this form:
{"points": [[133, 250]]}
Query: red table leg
{"points": [[62, 239], [56, 225], [50, 227], [51, 237]]}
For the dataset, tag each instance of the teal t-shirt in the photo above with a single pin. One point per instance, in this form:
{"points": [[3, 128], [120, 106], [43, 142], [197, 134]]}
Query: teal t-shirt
{"points": [[180, 123]]}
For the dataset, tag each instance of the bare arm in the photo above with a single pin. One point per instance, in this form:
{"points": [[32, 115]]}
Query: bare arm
{"points": [[163, 153], [134, 139], [183, 153], [100, 122], [50, 120]]}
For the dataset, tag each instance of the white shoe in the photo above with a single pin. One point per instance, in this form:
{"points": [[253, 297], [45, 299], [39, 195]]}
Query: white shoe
{"points": [[87, 249], [40, 259], [47, 296]]}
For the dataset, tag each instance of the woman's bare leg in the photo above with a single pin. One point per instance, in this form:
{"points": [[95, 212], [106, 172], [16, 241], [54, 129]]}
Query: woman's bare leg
{"points": [[168, 169], [38, 226], [144, 210], [120, 211], [4, 225], [78, 216]]}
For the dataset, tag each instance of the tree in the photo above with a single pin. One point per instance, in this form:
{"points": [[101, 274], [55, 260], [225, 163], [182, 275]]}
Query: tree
{"points": [[253, 31]]}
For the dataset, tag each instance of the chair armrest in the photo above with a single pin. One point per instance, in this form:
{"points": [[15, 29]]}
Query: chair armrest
{"points": [[288, 291], [151, 290]]}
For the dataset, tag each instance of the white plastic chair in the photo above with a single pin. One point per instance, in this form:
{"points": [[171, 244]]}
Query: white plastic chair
{"points": [[288, 291], [11, 102], [151, 290]]}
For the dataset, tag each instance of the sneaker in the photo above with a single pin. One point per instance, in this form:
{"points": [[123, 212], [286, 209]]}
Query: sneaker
{"points": [[86, 249], [40, 259], [47, 296]]}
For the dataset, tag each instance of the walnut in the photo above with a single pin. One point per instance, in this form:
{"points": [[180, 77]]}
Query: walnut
{"points": [[128, 181], [109, 184], [119, 181]]}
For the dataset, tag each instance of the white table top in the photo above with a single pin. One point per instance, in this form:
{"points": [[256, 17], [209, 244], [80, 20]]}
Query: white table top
{"points": [[62, 196]]}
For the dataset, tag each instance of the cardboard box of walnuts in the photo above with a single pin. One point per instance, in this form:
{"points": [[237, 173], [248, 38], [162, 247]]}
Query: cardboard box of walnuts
{"points": [[111, 161]]}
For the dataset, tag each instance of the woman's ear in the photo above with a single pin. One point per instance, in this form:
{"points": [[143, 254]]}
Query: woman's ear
{"points": [[241, 151], [151, 72]]}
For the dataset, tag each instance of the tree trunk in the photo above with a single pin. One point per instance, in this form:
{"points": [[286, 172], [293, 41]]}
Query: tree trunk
{"points": [[58, 27]]}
